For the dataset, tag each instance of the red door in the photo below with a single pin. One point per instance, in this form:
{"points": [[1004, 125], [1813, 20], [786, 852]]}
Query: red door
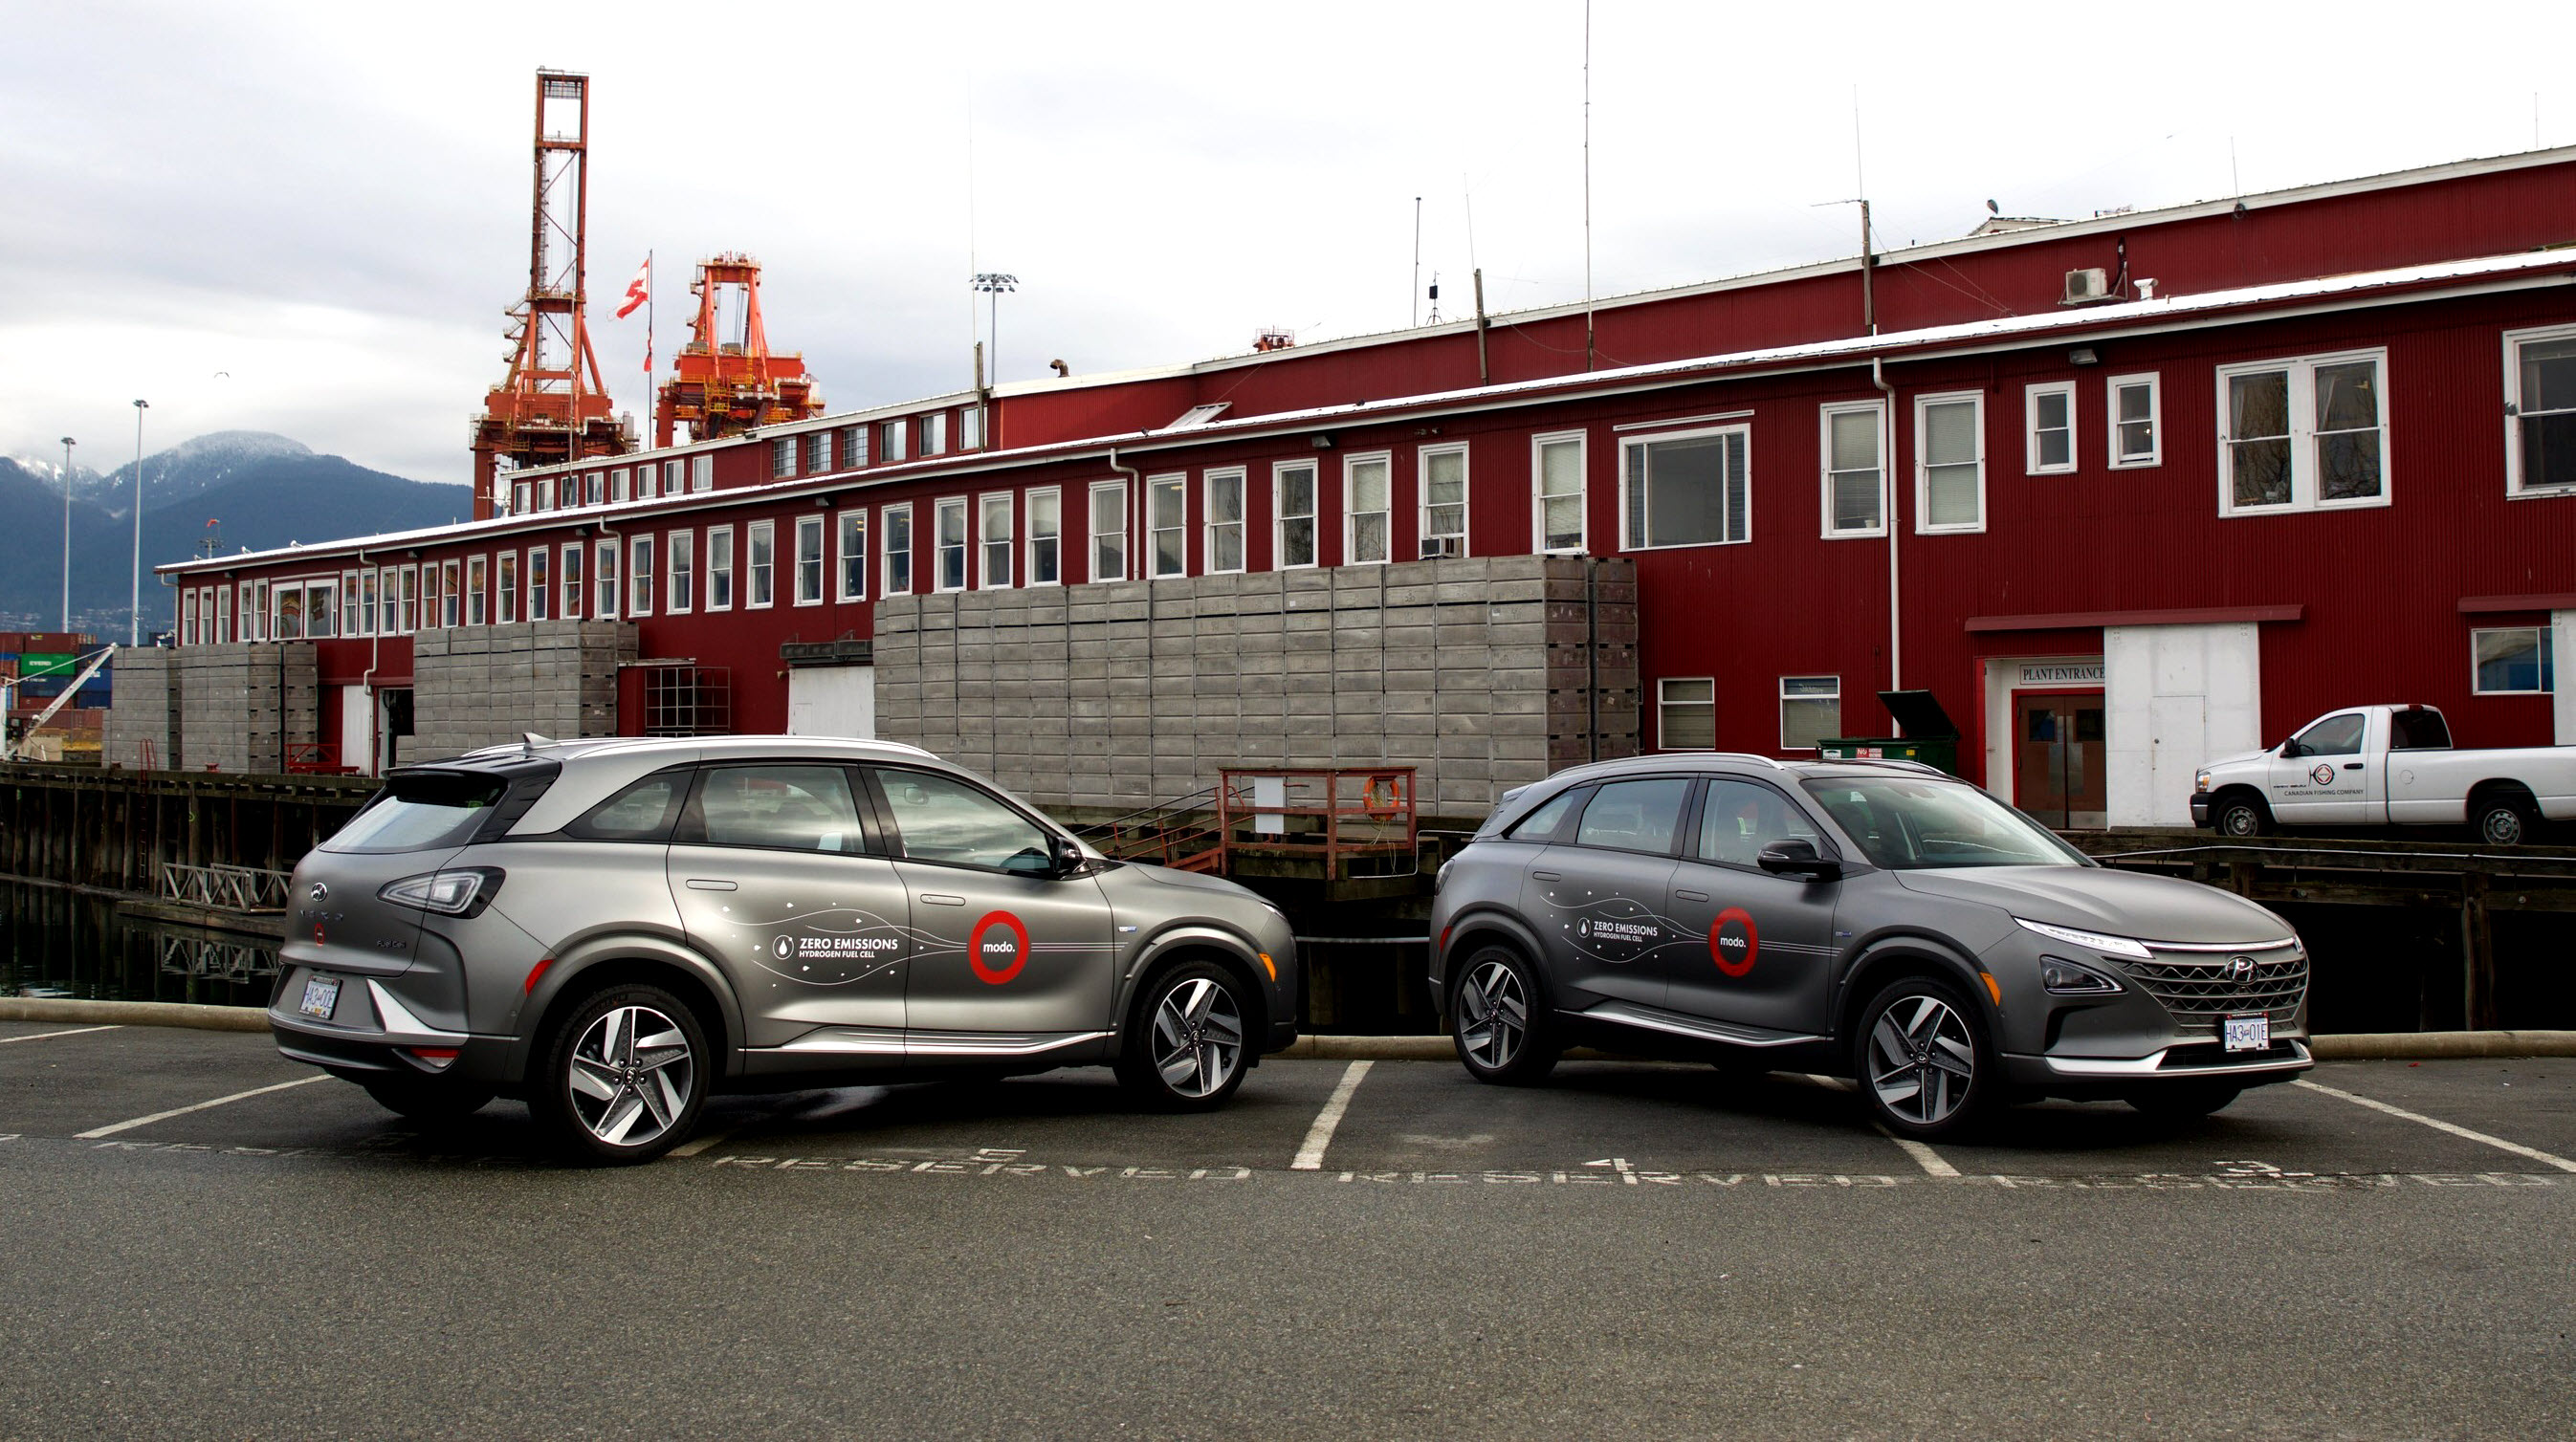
{"points": [[2058, 757]]}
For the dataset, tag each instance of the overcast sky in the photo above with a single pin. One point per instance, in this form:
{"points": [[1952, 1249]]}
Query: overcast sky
{"points": [[310, 218]]}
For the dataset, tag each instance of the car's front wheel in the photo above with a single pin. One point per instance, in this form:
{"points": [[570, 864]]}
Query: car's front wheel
{"points": [[1184, 1045], [2238, 814], [622, 1077], [1924, 1065], [1499, 1021]]}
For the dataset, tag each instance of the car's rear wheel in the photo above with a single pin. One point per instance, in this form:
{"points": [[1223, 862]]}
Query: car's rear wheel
{"points": [[2505, 820], [1499, 1020], [2183, 1101], [622, 1077], [1924, 1064], [428, 1100], [1184, 1049]]}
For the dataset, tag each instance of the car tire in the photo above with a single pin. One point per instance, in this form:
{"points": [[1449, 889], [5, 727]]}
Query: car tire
{"points": [[1499, 1019], [431, 1101], [1922, 1060], [2241, 816], [1187, 1044], [622, 1077], [2183, 1101], [2505, 820]]}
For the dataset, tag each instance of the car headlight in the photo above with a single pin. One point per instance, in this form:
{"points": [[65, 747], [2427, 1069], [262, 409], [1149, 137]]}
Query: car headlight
{"points": [[2073, 978], [464, 891], [2091, 940], [2200, 781]]}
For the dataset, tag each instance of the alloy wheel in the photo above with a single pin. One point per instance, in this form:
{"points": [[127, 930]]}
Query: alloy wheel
{"points": [[1198, 1037], [631, 1075], [1921, 1059], [1493, 1016]]}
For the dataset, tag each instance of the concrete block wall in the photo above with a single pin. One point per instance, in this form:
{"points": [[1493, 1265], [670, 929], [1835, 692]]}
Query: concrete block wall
{"points": [[1485, 673], [487, 685], [235, 707]]}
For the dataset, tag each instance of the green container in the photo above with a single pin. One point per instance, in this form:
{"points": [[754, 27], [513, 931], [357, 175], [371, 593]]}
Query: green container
{"points": [[1933, 738]]}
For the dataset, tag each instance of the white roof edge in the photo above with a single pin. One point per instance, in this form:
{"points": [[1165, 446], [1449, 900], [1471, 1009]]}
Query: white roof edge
{"points": [[1844, 349]]}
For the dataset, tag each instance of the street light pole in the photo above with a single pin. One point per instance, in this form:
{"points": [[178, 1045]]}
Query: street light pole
{"points": [[134, 606], [993, 285], [67, 533]]}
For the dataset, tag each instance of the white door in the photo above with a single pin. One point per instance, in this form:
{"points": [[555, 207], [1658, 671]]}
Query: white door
{"points": [[2178, 731], [832, 701], [2321, 777], [358, 729]]}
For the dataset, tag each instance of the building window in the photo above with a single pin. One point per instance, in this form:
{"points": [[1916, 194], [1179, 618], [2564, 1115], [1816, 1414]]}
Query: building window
{"points": [[948, 537], [2540, 411], [639, 577], [809, 560], [890, 440], [1693, 488], [1108, 531], [389, 616], [572, 583], [680, 592], [477, 590], [519, 499], [187, 618], [782, 458], [355, 613], [671, 477], [1855, 494], [1366, 507], [255, 617], [2302, 434], [1167, 524], [970, 428], [322, 608], [2512, 661], [854, 445], [1686, 713], [286, 621], [760, 564], [719, 568], [224, 613], [1224, 522], [854, 556], [1046, 537], [451, 594], [540, 582], [595, 488], [603, 580], [934, 433], [1811, 710], [1556, 468], [702, 473], [1292, 507], [1444, 500], [818, 453], [619, 481], [1950, 462], [898, 550], [993, 532], [2049, 412], [2136, 436]]}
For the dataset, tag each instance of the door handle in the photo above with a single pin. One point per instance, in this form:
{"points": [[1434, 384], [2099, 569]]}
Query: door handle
{"points": [[1547, 876], [937, 898], [2352, 766], [702, 883], [1690, 895]]}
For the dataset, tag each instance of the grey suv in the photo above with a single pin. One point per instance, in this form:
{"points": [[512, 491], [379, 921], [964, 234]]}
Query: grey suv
{"points": [[1881, 921], [614, 929]]}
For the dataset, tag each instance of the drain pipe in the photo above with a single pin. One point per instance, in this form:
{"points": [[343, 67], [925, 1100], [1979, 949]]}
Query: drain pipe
{"points": [[1887, 456], [375, 652]]}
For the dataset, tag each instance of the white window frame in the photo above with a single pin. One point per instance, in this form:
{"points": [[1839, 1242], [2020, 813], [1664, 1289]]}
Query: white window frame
{"points": [[1539, 498], [1241, 525], [755, 577], [2542, 632], [2111, 388], [573, 580], [985, 542], [1786, 698], [1031, 537], [1629, 444], [1923, 404], [721, 560], [1423, 507], [940, 509], [854, 447], [478, 590], [224, 614], [934, 433], [451, 593], [537, 573], [1280, 517], [639, 575], [843, 554], [818, 453], [1876, 410], [679, 572], [782, 457], [1350, 517], [811, 524], [620, 482], [2514, 341], [1091, 532], [1177, 485], [894, 440], [970, 428], [594, 488], [702, 473], [1664, 701], [2303, 434], [2032, 465], [894, 579], [353, 621], [607, 579]]}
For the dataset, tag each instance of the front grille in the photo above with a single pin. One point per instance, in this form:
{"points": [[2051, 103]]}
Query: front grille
{"points": [[2200, 987]]}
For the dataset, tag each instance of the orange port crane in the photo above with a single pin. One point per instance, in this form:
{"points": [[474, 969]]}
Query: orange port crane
{"points": [[727, 380], [552, 406]]}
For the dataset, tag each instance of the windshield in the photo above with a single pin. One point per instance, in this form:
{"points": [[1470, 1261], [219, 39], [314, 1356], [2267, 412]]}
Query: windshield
{"points": [[1903, 824], [421, 813]]}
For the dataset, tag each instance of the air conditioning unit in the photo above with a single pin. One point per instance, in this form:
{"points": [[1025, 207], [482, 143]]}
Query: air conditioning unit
{"points": [[2083, 285], [1443, 547]]}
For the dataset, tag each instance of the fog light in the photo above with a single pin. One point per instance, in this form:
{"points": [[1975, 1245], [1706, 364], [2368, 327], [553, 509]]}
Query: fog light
{"points": [[2067, 978]]}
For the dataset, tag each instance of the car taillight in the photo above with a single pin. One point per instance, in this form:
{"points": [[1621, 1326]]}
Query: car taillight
{"points": [[464, 891]]}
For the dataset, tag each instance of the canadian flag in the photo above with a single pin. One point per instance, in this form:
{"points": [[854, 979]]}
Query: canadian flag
{"points": [[638, 290]]}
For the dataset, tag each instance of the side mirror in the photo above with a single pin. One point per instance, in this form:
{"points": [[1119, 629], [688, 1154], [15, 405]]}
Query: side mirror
{"points": [[1066, 854], [2291, 750], [1798, 857]]}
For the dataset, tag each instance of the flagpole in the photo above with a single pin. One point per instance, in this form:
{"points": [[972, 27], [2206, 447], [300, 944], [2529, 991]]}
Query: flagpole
{"points": [[651, 284]]}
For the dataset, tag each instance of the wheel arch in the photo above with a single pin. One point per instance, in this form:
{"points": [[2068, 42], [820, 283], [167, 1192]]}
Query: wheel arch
{"points": [[1894, 958], [2237, 791], [1485, 926], [585, 970], [1179, 946]]}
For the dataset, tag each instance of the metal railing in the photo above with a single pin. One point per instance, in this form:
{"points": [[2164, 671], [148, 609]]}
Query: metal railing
{"points": [[1358, 821], [213, 959], [226, 888], [1172, 833]]}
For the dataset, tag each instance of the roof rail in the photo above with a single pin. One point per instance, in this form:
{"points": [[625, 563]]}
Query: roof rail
{"points": [[1773, 762]]}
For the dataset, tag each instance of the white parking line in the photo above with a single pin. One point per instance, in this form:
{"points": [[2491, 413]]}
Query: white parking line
{"points": [[1310, 1157], [2499, 1143], [41, 1035], [701, 1142], [94, 1133], [1926, 1158]]}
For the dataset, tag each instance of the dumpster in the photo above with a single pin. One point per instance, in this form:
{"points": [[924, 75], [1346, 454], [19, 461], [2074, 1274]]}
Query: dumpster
{"points": [[1931, 736]]}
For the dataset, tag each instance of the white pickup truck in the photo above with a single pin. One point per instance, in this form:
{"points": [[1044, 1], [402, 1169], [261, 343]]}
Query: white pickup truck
{"points": [[2387, 766]]}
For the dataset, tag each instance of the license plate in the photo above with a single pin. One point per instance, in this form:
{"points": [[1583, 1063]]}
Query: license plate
{"points": [[2246, 1033], [321, 993]]}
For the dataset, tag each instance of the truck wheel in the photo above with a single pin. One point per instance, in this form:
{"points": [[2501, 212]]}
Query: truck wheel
{"points": [[2241, 815], [2505, 820]]}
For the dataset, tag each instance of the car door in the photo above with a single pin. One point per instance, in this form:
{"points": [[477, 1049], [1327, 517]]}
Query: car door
{"points": [[778, 881], [2322, 776], [1596, 896], [1011, 958], [1763, 945]]}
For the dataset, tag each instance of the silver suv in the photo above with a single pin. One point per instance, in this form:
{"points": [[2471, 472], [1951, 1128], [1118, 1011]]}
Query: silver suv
{"points": [[614, 929], [1880, 921]]}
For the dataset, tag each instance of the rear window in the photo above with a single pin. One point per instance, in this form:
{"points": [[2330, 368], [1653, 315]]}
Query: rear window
{"points": [[422, 813], [2418, 730]]}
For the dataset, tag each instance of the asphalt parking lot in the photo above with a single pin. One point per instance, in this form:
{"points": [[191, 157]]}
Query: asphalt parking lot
{"points": [[203, 1239]]}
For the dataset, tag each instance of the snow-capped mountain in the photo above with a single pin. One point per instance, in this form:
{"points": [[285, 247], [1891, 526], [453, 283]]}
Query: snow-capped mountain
{"points": [[189, 468]]}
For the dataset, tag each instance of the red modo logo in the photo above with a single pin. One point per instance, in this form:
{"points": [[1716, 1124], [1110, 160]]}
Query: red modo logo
{"points": [[984, 949], [1732, 941]]}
